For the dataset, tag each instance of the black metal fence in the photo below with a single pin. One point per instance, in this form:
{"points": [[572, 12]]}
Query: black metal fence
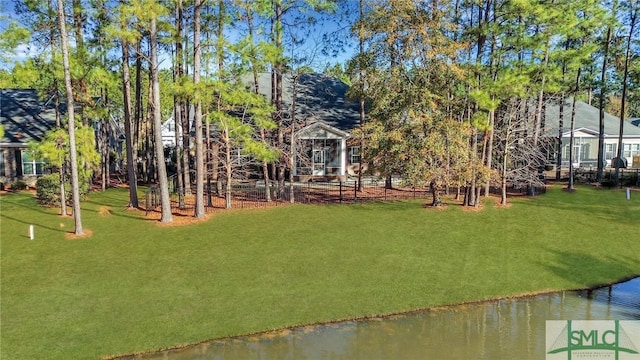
{"points": [[245, 195], [628, 177]]}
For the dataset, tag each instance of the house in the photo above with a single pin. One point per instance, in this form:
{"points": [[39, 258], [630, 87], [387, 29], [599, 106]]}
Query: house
{"points": [[25, 118], [586, 130], [324, 116], [169, 130]]}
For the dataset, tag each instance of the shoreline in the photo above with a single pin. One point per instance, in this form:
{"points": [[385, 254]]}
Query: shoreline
{"points": [[278, 331]]}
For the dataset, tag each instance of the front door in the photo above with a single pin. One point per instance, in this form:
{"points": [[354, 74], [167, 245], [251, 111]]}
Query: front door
{"points": [[318, 162]]}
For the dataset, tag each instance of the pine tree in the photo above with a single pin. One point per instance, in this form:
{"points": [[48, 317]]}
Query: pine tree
{"points": [[200, 169], [75, 189]]}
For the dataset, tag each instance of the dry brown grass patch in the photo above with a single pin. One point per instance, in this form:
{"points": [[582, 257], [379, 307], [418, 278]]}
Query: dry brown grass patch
{"points": [[178, 219], [72, 236], [104, 211]]}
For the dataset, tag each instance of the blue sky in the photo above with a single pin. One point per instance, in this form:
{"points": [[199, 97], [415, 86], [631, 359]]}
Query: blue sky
{"points": [[315, 41]]}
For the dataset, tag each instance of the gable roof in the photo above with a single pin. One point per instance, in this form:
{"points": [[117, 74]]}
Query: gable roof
{"points": [[24, 117], [587, 118], [318, 98], [321, 130]]}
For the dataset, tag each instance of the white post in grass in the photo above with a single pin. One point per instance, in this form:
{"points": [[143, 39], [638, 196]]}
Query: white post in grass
{"points": [[31, 232], [628, 194]]}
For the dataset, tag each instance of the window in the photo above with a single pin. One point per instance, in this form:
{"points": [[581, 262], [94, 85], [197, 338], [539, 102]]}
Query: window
{"points": [[609, 151], [629, 150], [30, 166], [354, 155]]}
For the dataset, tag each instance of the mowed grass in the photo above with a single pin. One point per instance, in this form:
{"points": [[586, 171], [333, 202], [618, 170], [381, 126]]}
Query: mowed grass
{"points": [[135, 286]]}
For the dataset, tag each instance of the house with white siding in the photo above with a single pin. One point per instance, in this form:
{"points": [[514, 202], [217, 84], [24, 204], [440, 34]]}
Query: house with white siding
{"points": [[586, 131]]}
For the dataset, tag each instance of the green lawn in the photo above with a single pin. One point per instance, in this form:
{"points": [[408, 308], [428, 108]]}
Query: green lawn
{"points": [[136, 286]]}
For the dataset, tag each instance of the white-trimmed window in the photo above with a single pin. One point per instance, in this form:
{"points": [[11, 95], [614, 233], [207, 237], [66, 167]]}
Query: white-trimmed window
{"points": [[354, 155], [30, 166], [609, 151], [629, 150]]}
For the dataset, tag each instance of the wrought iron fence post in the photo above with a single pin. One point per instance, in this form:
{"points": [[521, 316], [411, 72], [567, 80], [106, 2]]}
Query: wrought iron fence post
{"points": [[355, 192], [340, 191]]}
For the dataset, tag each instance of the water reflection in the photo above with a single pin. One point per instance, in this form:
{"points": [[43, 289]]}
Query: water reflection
{"points": [[504, 329]]}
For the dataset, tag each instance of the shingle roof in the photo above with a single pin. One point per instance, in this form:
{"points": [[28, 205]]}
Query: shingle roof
{"points": [[24, 117], [587, 117], [319, 98]]}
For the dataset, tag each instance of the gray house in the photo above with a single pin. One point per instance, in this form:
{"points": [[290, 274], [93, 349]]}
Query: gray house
{"points": [[585, 132], [323, 118], [25, 118]]}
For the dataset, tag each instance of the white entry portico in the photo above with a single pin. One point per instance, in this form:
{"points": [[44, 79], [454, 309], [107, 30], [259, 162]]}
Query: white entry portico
{"points": [[323, 152]]}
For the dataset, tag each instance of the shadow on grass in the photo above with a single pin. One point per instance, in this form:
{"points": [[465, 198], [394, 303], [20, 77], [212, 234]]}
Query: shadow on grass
{"points": [[590, 271], [608, 209], [3, 215], [17, 199], [119, 213], [388, 205]]}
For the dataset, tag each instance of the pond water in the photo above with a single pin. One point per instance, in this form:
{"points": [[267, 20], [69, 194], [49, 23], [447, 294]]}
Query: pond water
{"points": [[504, 329]]}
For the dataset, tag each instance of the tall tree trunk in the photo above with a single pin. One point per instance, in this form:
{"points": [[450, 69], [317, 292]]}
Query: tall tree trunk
{"points": [[435, 194], [138, 107], [483, 19], [503, 177], [149, 139], [539, 114], [215, 152], [561, 120], [63, 192], [103, 148], [292, 163], [278, 69], [292, 150], [177, 104], [488, 150], [163, 182], [228, 167], [489, 156], [603, 94], [256, 86], [186, 146], [128, 134], [56, 101], [361, 95], [559, 141], [82, 90], [200, 170], [73, 154], [632, 24], [182, 112], [573, 118]]}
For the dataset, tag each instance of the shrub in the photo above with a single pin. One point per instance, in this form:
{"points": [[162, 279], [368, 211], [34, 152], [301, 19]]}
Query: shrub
{"points": [[18, 185], [1, 186], [48, 190], [631, 180]]}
